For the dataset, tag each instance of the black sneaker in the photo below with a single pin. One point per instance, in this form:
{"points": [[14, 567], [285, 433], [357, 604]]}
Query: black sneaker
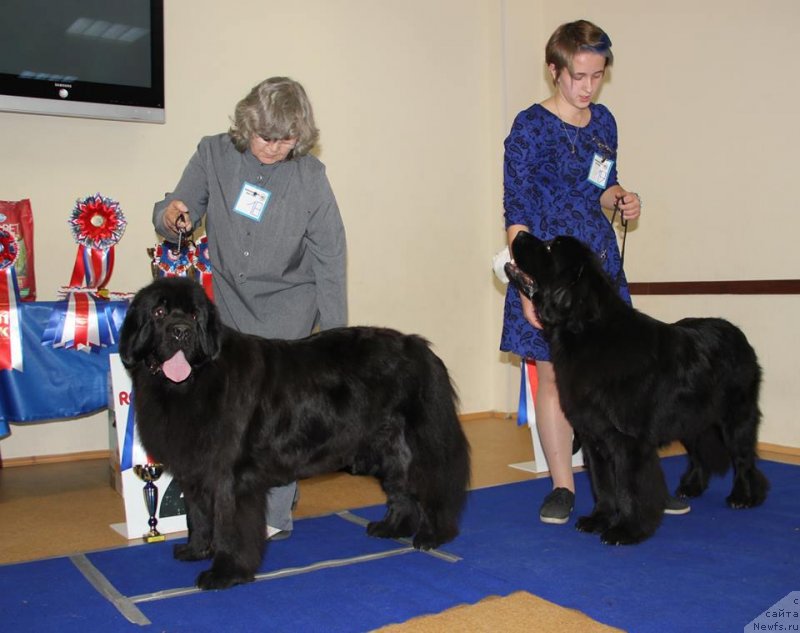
{"points": [[676, 505], [557, 506]]}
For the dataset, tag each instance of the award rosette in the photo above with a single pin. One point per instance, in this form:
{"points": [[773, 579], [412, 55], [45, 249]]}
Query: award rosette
{"points": [[83, 320], [182, 260], [202, 266], [10, 334], [171, 260]]}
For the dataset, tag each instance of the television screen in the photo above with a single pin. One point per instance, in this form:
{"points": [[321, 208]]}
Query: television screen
{"points": [[88, 58]]}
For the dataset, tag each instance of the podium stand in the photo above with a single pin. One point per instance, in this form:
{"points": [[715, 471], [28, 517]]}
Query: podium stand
{"points": [[170, 511]]}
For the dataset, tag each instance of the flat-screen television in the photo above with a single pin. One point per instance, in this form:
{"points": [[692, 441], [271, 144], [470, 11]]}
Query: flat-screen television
{"points": [[86, 58]]}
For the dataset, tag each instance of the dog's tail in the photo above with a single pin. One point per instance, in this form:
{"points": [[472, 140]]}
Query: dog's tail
{"points": [[441, 453]]}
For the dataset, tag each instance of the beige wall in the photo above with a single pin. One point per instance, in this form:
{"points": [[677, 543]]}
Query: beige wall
{"points": [[413, 99]]}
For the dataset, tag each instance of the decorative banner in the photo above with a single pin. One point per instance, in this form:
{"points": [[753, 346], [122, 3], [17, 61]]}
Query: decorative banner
{"points": [[10, 333], [85, 319], [202, 266], [82, 320]]}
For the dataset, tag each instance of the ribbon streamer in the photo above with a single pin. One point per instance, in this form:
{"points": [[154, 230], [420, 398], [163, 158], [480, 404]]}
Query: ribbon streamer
{"points": [[83, 320], [10, 333], [529, 385]]}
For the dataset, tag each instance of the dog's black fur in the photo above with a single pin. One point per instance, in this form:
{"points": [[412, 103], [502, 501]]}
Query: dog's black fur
{"points": [[257, 413], [629, 384]]}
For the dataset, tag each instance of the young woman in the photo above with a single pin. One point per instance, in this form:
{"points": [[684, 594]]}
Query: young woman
{"points": [[560, 172]]}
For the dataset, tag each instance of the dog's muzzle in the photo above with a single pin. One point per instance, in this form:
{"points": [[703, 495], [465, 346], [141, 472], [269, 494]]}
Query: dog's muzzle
{"points": [[522, 280]]}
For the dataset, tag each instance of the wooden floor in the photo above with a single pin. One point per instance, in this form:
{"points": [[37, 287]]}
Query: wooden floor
{"points": [[59, 509], [64, 508]]}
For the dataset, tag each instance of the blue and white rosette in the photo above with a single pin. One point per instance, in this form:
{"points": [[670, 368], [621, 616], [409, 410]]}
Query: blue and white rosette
{"points": [[170, 261]]}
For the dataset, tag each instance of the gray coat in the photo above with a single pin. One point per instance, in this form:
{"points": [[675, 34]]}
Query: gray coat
{"points": [[278, 276]]}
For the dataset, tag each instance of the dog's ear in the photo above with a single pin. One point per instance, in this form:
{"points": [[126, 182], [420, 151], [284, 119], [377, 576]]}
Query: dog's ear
{"points": [[135, 338], [209, 325]]}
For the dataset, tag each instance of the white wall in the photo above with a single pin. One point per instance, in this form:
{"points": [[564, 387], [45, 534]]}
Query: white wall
{"points": [[705, 105], [413, 99], [406, 97]]}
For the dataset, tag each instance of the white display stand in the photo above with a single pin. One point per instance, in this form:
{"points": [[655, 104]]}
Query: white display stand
{"points": [[129, 453], [539, 463]]}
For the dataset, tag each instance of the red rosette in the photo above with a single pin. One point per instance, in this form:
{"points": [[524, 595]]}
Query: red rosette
{"points": [[8, 249], [97, 222]]}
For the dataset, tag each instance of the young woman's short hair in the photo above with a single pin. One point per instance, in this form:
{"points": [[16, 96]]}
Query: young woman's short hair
{"points": [[276, 109], [576, 37]]}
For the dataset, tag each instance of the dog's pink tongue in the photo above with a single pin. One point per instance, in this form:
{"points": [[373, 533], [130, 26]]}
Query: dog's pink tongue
{"points": [[177, 368]]}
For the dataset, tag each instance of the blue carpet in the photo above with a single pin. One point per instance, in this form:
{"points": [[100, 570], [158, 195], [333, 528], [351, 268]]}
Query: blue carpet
{"points": [[714, 569]]}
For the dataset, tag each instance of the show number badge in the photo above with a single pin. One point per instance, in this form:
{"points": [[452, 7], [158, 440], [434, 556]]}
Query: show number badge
{"points": [[600, 170], [252, 201]]}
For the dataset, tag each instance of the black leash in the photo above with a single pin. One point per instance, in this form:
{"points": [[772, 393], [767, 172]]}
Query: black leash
{"points": [[624, 224]]}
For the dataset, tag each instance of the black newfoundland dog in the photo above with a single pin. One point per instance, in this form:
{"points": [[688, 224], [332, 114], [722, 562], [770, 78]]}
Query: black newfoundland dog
{"points": [[232, 415], [629, 383]]}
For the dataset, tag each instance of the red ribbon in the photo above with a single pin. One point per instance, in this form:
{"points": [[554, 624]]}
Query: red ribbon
{"points": [[10, 333], [93, 267]]}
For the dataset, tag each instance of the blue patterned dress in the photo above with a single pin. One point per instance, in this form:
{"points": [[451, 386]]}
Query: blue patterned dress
{"points": [[547, 189]]}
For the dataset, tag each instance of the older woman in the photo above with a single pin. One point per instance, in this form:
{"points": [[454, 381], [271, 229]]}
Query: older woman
{"points": [[276, 239]]}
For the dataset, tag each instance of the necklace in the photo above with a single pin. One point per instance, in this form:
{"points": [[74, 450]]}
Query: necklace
{"points": [[572, 141]]}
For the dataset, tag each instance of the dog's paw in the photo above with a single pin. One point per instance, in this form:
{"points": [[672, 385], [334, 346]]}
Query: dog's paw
{"points": [[185, 552], [593, 523], [214, 579], [742, 502], [748, 491], [425, 540], [385, 529], [621, 535], [689, 490]]}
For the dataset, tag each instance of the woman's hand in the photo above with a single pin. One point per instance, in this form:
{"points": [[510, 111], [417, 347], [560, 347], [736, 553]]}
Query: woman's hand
{"points": [[630, 204], [529, 312], [176, 217]]}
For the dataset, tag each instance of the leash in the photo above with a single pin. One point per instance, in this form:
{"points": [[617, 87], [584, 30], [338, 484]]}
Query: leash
{"points": [[624, 224]]}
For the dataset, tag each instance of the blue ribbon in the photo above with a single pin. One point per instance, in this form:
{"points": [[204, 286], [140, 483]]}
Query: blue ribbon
{"points": [[522, 409], [126, 459]]}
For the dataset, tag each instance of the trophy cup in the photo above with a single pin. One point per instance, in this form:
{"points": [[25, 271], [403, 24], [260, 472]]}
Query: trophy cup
{"points": [[149, 473]]}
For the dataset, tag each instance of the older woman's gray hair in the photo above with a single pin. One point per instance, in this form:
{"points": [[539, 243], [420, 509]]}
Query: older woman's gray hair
{"points": [[275, 109]]}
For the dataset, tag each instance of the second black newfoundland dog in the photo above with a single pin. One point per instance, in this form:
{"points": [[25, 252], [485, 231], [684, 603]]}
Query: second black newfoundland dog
{"points": [[629, 383], [232, 415]]}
